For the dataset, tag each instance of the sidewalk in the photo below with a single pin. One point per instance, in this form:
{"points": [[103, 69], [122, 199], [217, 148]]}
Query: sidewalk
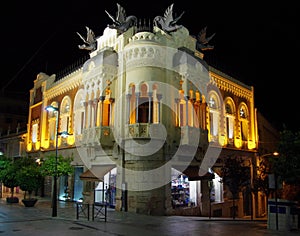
{"points": [[15, 219]]}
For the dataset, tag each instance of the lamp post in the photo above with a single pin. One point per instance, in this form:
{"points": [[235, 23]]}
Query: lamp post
{"points": [[275, 187], [54, 191]]}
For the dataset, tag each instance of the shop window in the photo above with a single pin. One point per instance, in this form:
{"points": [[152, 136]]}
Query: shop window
{"points": [[180, 190], [217, 190]]}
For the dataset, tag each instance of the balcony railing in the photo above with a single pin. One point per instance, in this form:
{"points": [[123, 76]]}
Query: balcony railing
{"points": [[98, 136]]}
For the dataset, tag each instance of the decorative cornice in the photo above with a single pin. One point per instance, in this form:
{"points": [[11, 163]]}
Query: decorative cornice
{"points": [[230, 86], [69, 82]]}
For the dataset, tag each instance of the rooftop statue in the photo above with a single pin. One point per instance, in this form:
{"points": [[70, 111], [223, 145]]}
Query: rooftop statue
{"points": [[166, 22], [89, 42], [122, 23], [202, 40]]}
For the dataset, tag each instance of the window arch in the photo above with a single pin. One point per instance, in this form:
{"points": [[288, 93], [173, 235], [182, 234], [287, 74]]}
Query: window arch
{"points": [[214, 114], [145, 105], [35, 130], [78, 112], [106, 108], [244, 121], [131, 105], [65, 114], [52, 121], [156, 103], [229, 118]]}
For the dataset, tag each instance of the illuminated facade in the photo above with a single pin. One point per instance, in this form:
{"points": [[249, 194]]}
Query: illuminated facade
{"points": [[114, 108]]}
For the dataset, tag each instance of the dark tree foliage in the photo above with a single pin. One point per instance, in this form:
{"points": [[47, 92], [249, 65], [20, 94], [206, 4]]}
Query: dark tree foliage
{"points": [[287, 165], [236, 176], [8, 173], [29, 176], [260, 178], [63, 166]]}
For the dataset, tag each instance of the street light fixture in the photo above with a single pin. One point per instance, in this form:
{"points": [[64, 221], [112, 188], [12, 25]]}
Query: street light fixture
{"points": [[275, 187], [54, 191]]}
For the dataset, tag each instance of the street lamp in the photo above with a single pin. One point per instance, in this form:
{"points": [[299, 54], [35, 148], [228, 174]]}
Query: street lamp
{"points": [[54, 191], [275, 187]]}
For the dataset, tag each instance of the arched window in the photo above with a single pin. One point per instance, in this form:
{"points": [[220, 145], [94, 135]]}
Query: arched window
{"points": [[65, 114], [35, 131], [214, 115], [78, 113], [230, 118], [107, 109], [182, 110], [155, 104], [145, 105], [52, 122], [132, 102], [243, 118]]}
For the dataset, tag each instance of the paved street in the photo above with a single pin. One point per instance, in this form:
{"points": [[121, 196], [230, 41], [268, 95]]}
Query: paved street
{"points": [[15, 219]]}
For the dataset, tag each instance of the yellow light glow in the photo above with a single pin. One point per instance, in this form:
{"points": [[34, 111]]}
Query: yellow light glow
{"points": [[45, 144], [71, 140], [29, 147], [37, 145], [222, 140], [237, 142], [251, 145]]}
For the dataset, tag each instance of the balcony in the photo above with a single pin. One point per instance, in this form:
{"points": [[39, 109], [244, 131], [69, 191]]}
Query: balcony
{"points": [[184, 135], [143, 131], [98, 136]]}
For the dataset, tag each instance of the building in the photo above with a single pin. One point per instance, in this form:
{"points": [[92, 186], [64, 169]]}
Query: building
{"points": [[269, 138], [148, 121], [13, 130]]}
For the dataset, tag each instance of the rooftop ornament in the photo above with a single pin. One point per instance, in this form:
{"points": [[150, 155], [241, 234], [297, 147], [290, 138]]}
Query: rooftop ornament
{"points": [[89, 42], [167, 23], [121, 22], [202, 40]]}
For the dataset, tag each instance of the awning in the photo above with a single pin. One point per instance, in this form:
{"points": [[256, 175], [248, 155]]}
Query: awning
{"points": [[192, 172], [96, 173], [88, 176]]}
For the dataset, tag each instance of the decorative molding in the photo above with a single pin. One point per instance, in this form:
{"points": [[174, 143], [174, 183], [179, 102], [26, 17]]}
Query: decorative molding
{"points": [[69, 82], [229, 86]]}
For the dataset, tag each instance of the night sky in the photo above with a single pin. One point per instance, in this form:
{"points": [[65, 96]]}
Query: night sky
{"points": [[255, 42]]}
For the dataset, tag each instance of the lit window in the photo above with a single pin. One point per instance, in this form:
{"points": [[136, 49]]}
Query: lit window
{"points": [[34, 137]]}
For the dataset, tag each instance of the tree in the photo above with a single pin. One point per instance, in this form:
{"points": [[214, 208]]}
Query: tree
{"points": [[59, 166], [63, 166], [8, 175], [235, 176], [29, 177], [287, 165], [260, 178]]}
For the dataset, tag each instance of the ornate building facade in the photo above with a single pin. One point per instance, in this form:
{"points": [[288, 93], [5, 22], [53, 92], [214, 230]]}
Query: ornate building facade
{"points": [[150, 119]]}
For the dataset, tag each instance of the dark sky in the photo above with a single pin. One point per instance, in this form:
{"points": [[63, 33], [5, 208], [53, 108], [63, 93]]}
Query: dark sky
{"points": [[255, 42]]}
